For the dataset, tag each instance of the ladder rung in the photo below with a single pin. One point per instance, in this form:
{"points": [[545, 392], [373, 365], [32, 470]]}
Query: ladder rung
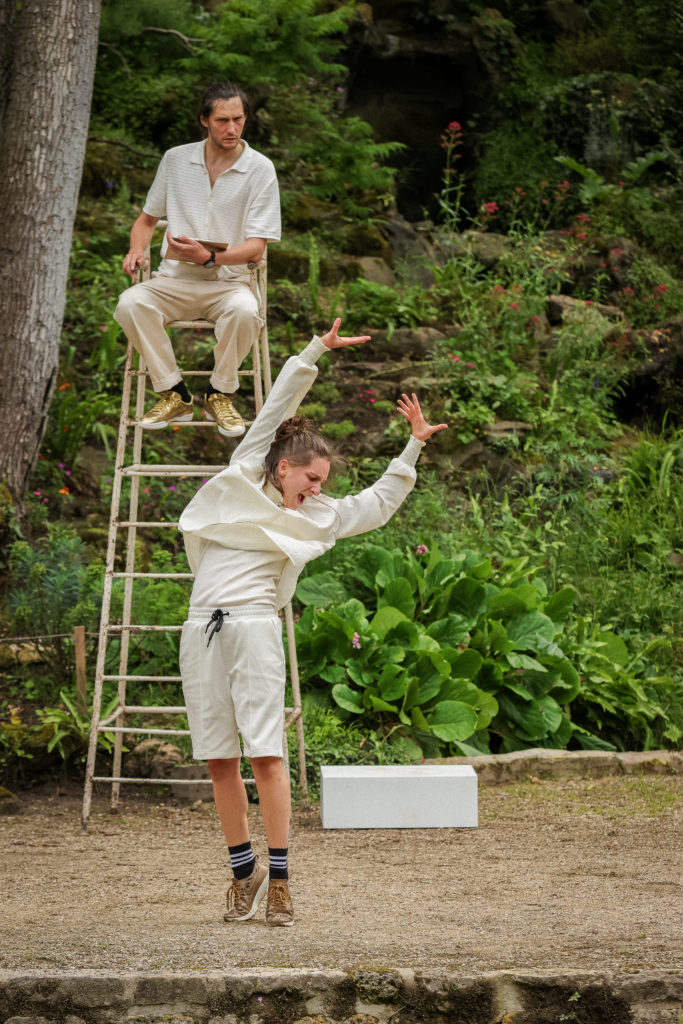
{"points": [[149, 732], [192, 423], [138, 469], [159, 709], [143, 679], [139, 628], [154, 782], [152, 575], [192, 323], [161, 522], [193, 373]]}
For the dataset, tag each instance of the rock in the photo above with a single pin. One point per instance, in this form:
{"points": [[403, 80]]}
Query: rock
{"points": [[363, 239], [153, 758], [561, 307], [568, 17], [305, 212], [652, 762], [9, 803], [188, 792], [412, 343], [543, 763], [653, 388], [410, 245], [506, 428], [486, 246], [372, 268], [496, 43]]}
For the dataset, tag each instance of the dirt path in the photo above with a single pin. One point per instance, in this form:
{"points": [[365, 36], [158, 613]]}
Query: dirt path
{"points": [[572, 874]]}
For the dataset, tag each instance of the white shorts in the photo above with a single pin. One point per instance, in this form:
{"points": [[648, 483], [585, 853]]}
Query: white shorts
{"points": [[235, 686]]}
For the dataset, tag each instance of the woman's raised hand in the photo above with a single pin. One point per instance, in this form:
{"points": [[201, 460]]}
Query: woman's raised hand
{"points": [[332, 339], [410, 409]]}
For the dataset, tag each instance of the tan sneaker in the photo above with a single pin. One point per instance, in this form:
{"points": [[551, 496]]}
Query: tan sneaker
{"points": [[245, 894], [279, 909], [169, 409], [219, 407]]}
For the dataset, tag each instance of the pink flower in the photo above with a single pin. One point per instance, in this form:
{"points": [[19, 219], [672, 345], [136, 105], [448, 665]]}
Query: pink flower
{"points": [[454, 127], [514, 305], [355, 641], [471, 366], [661, 288], [421, 549]]}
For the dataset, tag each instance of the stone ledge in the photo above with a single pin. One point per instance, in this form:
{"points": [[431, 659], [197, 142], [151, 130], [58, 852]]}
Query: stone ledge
{"points": [[543, 763], [257, 996]]}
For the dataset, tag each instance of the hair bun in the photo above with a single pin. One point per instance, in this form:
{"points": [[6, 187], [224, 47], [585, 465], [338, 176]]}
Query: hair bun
{"points": [[293, 427]]}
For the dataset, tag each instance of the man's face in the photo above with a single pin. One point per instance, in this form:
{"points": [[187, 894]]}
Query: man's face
{"points": [[225, 124]]}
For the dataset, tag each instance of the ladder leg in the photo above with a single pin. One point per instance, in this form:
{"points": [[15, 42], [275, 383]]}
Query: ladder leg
{"points": [[128, 583], [296, 702], [106, 595]]}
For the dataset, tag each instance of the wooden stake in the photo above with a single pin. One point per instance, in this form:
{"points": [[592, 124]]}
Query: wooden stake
{"points": [[81, 683]]}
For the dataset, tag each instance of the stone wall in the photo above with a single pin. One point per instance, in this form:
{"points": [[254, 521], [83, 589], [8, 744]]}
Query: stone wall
{"points": [[338, 997]]}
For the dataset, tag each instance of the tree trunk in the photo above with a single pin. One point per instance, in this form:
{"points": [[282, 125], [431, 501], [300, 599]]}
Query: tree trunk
{"points": [[48, 64]]}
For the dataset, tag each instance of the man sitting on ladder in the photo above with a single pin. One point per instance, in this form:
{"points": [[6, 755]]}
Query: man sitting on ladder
{"points": [[222, 204]]}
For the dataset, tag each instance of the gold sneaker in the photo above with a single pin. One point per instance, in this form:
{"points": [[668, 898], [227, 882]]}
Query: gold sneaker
{"points": [[169, 409], [245, 894], [219, 407], [279, 909]]}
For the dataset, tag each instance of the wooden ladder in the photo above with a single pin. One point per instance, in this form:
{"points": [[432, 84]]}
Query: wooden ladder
{"points": [[116, 720]]}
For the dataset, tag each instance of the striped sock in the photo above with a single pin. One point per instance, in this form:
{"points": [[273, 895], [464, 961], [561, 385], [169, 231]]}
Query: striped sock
{"points": [[277, 867], [242, 860]]}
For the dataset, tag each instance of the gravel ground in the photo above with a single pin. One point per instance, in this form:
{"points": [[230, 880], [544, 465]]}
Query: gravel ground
{"points": [[572, 874]]}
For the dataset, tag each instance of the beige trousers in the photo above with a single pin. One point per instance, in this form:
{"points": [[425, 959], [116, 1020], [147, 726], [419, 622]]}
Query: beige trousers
{"points": [[145, 309]]}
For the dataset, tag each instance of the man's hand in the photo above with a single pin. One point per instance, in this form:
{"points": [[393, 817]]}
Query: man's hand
{"points": [[189, 248], [332, 340], [132, 262], [410, 409]]}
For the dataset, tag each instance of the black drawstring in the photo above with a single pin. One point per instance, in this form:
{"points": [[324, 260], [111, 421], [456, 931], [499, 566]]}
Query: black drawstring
{"points": [[217, 620]]}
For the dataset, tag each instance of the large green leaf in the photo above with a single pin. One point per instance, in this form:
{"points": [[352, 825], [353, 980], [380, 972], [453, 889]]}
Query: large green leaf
{"points": [[392, 682], [506, 603], [487, 708], [374, 560], [613, 647], [465, 664], [467, 598], [333, 673], [452, 720], [321, 590], [452, 630], [374, 703], [359, 673], [398, 593], [347, 698], [566, 688], [460, 689], [385, 619], [524, 661], [526, 630], [559, 605]]}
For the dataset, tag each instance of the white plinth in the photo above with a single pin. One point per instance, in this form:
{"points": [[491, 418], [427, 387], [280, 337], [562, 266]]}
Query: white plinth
{"points": [[399, 796]]}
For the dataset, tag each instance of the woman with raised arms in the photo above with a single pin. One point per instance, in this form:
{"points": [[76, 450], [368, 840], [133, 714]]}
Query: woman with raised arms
{"points": [[248, 533]]}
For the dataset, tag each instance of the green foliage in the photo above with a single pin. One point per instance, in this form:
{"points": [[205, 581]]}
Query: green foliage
{"points": [[156, 602], [331, 741], [54, 586], [371, 303], [458, 656]]}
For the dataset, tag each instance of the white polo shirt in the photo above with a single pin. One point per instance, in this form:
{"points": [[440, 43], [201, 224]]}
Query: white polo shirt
{"points": [[243, 203]]}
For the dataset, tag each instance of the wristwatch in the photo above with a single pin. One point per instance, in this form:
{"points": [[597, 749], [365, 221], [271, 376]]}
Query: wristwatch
{"points": [[211, 262]]}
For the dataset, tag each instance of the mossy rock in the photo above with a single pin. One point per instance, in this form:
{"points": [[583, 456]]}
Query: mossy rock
{"points": [[303, 212], [9, 803]]}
